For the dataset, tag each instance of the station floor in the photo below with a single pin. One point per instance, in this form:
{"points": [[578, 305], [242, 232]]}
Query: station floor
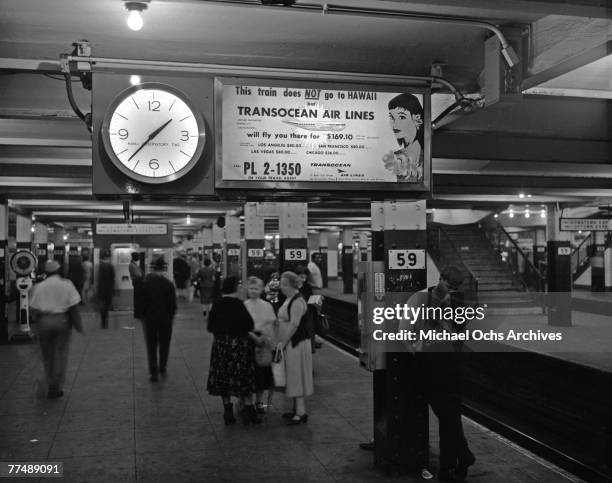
{"points": [[115, 425]]}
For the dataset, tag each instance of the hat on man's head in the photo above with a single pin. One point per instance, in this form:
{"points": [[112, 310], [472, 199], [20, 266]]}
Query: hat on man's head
{"points": [[159, 264], [453, 275], [52, 266]]}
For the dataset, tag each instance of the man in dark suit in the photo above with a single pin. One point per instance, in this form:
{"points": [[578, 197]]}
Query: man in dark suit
{"points": [[158, 307], [105, 287]]}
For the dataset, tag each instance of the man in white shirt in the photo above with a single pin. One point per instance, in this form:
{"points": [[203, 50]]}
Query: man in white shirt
{"points": [[55, 302], [315, 278]]}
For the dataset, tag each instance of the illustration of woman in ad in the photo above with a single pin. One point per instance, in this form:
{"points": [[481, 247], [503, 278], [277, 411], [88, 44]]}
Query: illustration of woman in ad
{"points": [[406, 119]]}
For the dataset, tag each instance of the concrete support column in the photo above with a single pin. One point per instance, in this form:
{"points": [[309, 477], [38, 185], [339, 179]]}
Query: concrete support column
{"points": [[217, 252], [399, 259], [207, 242], [559, 271], [347, 260], [254, 234], [41, 242], [232, 246], [322, 260], [332, 254], [23, 234], [293, 231], [59, 247], [363, 246], [599, 271], [4, 217]]}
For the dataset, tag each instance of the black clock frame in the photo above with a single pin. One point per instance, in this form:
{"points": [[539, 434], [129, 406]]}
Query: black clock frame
{"points": [[104, 131]]}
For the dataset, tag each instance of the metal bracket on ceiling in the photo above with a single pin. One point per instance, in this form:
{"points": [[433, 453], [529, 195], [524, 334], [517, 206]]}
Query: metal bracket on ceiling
{"points": [[82, 69]]}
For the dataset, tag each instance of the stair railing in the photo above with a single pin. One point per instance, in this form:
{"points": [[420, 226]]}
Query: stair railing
{"points": [[526, 272], [581, 255], [433, 246]]}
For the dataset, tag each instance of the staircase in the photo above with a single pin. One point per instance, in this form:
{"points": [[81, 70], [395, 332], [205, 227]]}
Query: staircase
{"points": [[500, 289]]}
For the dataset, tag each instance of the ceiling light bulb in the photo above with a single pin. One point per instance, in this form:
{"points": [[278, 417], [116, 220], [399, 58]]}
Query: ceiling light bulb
{"points": [[542, 214], [33, 229], [495, 215], [135, 80], [511, 215], [65, 237], [521, 195], [188, 220], [134, 20], [527, 215]]}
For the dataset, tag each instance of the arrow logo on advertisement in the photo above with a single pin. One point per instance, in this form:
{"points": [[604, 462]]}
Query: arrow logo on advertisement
{"points": [[341, 171]]}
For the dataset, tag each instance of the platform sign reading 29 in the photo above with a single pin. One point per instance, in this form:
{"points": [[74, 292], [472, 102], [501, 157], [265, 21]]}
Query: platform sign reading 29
{"points": [[406, 259]]}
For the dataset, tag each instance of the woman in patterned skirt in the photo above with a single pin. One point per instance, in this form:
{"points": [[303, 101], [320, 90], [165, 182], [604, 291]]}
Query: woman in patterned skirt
{"points": [[232, 366]]}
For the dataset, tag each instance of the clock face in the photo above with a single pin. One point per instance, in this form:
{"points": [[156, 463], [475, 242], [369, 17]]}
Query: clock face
{"points": [[152, 133]]}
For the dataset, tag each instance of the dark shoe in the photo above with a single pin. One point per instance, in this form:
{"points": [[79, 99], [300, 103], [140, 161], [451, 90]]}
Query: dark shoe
{"points": [[162, 371], [249, 415], [288, 415], [54, 394], [295, 420], [450, 475], [464, 463], [369, 446], [228, 414], [153, 378]]}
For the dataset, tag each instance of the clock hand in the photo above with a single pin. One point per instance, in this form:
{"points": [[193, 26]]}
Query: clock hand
{"points": [[151, 136]]}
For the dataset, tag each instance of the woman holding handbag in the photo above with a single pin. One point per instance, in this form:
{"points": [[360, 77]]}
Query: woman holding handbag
{"points": [[295, 339], [232, 365], [264, 336]]}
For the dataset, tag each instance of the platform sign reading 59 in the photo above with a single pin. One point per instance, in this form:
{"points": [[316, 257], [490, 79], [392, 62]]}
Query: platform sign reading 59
{"points": [[406, 259], [296, 254]]}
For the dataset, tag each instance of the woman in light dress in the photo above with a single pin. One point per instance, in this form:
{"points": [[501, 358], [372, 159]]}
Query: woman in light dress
{"points": [[294, 335], [264, 336]]}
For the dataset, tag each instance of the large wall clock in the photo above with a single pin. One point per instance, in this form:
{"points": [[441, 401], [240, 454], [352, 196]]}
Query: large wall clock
{"points": [[154, 139], [153, 133]]}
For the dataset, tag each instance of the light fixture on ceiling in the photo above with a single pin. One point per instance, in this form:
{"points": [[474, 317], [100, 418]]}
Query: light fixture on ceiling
{"points": [[65, 237], [527, 214], [135, 80], [495, 215], [521, 195], [543, 214], [33, 229], [134, 20], [189, 219], [511, 214]]}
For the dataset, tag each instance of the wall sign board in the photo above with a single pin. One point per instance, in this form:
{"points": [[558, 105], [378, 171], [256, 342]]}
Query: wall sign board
{"points": [[315, 136], [585, 224]]}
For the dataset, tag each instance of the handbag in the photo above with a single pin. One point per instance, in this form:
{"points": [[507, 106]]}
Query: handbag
{"points": [[278, 366]]}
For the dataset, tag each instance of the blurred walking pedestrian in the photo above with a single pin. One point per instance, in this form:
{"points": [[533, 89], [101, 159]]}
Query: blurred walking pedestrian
{"points": [[159, 308], [105, 287], [55, 303], [87, 278], [137, 277], [206, 280]]}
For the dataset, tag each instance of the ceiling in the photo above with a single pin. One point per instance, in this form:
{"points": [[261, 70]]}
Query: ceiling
{"points": [[557, 149]]}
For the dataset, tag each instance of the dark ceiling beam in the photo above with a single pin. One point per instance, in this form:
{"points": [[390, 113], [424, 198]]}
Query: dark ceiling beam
{"points": [[505, 8], [568, 65], [517, 147]]}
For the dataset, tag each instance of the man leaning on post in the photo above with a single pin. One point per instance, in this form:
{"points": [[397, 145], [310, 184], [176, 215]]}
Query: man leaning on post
{"points": [[54, 302], [439, 364]]}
